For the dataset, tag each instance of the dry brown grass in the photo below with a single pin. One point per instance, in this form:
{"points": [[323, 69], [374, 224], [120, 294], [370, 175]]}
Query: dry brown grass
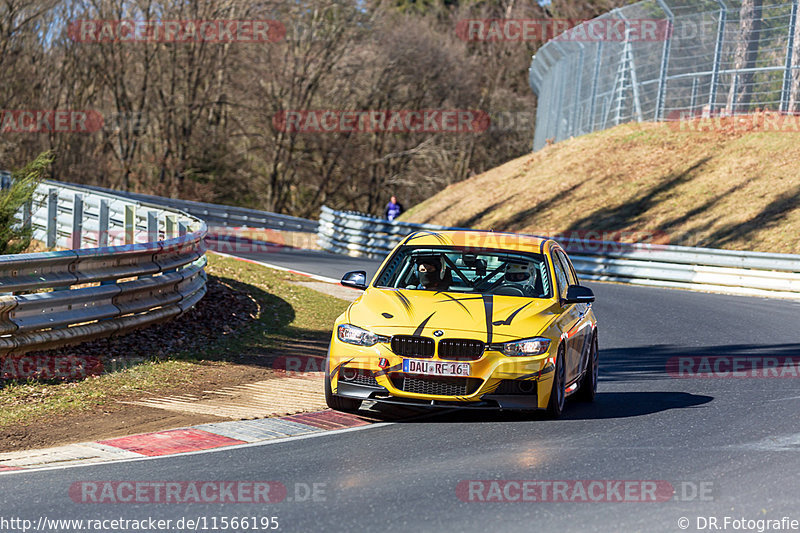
{"points": [[725, 189]]}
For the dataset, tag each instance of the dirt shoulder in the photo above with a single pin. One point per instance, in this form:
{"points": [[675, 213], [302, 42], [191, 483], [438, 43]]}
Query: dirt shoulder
{"points": [[251, 318]]}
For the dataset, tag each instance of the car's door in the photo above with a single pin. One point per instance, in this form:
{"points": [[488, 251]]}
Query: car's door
{"points": [[582, 335], [569, 320]]}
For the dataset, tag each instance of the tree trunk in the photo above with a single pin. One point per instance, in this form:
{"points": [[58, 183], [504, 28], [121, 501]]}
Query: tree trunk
{"points": [[747, 42]]}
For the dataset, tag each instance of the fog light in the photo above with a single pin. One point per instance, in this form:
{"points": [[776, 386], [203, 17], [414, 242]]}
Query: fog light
{"points": [[349, 374], [526, 387]]}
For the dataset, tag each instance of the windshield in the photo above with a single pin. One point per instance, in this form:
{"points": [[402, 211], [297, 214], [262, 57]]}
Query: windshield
{"points": [[462, 270]]}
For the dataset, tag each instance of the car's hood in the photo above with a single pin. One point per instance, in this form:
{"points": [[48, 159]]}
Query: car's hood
{"points": [[415, 312]]}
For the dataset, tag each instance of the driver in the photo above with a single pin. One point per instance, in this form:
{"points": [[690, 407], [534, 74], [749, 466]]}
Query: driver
{"points": [[430, 270]]}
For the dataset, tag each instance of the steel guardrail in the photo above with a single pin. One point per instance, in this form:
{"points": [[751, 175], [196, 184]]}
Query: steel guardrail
{"points": [[221, 215], [125, 265], [706, 269]]}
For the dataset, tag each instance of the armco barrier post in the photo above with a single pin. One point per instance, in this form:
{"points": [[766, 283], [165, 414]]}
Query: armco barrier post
{"points": [[130, 223], [102, 224], [170, 226], [26, 214], [77, 222], [152, 226], [52, 217]]}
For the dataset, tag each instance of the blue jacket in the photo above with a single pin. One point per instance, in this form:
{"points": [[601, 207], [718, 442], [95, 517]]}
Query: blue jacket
{"points": [[393, 210]]}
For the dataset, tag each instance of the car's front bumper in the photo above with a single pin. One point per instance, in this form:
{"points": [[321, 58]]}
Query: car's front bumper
{"points": [[491, 376], [487, 401]]}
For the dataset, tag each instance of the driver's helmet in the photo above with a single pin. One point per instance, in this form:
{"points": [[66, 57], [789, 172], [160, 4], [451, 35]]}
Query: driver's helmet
{"points": [[430, 269], [518, 272]]}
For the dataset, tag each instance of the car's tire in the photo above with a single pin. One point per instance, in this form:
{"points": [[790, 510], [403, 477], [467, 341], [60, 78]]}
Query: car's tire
{"points": [[558, 393], [338, 403], [587, 390]]}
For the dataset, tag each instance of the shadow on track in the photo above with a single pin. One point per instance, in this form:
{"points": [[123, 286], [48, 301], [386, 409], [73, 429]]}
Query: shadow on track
{"points": [[651, 362], [629, 404], [607, 405]]}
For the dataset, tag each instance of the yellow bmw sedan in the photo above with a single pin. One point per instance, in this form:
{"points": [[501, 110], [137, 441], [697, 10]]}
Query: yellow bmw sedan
{"points": [[466, 319]]}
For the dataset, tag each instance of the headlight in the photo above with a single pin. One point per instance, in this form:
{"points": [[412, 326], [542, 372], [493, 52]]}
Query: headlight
{"points": [[525, 347], [360, 337]]}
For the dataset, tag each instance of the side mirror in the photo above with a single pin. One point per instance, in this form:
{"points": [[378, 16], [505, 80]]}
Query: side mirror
{"points": [[577, 294], [355, 280]]}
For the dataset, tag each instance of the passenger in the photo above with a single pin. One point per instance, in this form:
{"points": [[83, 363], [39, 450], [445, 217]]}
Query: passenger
{"points": [[520, 275]]}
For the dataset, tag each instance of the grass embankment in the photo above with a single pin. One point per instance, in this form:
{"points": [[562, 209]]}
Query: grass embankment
{"points": [[282, 312], [730, 189]]}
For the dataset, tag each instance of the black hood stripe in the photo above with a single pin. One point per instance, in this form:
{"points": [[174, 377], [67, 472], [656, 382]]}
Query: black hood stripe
{"points": [[461, 299], [507, 321], [488, 304], [404, 301], [458, 301], [421, 327]]}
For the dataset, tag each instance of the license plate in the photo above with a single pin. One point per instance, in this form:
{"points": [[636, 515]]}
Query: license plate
{"points": [[435, 368]]}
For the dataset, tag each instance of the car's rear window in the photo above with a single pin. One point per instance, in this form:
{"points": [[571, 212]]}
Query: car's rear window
{"points": [[463, 270]]}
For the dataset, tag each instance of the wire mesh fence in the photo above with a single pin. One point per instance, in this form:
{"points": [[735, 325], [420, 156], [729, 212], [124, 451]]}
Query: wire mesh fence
{"points": [[713, 57]]}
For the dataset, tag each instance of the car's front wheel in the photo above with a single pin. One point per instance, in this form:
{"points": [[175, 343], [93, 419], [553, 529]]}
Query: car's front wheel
{"points": [[558, 393], [338, 403]]}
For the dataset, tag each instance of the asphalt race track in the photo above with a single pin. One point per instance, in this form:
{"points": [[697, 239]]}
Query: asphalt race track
{"points": [[728, 446]]}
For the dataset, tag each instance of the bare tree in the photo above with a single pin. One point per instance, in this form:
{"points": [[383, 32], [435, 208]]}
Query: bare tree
{"points": [[745, 56]]}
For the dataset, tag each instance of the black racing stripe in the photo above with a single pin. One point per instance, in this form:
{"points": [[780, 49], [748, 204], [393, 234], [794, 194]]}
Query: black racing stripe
{"points": [[507, 321], [490, 389], [488, 303], [421, 327], [335, 371], [547, 370], [438, 236], [458, 301], [406, 303]]}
